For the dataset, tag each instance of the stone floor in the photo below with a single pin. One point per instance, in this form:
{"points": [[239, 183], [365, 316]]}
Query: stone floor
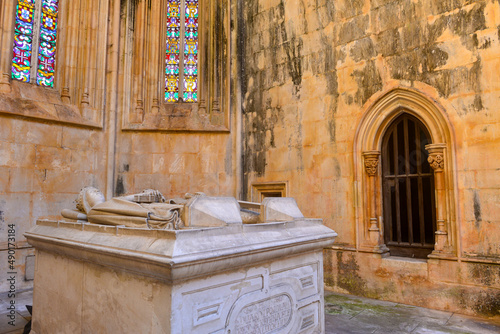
{"points": [[347, 314], [22, 315], [344, 315]]}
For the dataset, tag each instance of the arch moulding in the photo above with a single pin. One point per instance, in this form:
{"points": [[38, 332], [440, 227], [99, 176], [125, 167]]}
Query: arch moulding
{"points": [[376, 118]]}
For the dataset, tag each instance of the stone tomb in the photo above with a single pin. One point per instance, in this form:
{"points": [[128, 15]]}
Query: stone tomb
{"points": [[225, 278]]}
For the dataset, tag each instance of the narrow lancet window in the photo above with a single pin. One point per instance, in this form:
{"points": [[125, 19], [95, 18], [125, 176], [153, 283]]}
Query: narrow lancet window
{"points": [[181, 58], [47, 44], [23, 40], [35, 41]]}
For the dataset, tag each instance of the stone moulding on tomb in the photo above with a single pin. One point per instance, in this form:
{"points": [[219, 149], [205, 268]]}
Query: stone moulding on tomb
{"points": [[166, 254]]}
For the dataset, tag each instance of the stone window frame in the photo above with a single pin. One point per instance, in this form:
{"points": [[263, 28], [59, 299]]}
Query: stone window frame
{"points": [[143, 69], [368, 177], [78, 97], [259, 189]]}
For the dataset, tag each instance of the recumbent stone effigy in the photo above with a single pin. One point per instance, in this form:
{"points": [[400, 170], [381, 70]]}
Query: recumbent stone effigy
{"points": [[198, 264]]}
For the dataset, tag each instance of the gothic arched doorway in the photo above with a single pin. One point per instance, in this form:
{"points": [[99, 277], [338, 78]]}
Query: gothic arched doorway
{"points": [[408, 189]]}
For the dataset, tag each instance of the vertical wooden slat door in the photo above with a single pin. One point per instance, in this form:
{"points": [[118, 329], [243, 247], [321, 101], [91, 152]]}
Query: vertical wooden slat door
{"points": [[408, 189]]}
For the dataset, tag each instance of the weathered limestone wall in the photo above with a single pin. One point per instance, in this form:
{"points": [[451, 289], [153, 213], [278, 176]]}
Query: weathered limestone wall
{"points": [[175, 163], [43, 166], [313, 67]]}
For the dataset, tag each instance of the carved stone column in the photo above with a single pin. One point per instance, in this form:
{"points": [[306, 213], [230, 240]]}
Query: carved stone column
{"points": [[437, 162], [371, 162], [7, 15]]}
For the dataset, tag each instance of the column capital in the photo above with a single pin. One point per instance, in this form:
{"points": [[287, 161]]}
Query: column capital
{"points": [[436, 156], [371, 162]]}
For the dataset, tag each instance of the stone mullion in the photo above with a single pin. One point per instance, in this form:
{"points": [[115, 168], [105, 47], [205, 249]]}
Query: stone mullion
{"points": [[211, 55], [35, 43], [7, 42], [217, 54], [70, 54], [437, 162], [138, 61], [202, 55], [99, 72], [81, 49], [61, 46], [154, 68], [182, 42], [371, 162], [87, 70], [93, 52]]}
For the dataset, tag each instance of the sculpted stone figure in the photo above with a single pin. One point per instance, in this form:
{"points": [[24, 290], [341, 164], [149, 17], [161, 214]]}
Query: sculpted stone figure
{"points": [[146, 209]]}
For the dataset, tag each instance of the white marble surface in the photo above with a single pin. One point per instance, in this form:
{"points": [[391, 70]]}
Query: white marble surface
{"points": [[230, 279]]}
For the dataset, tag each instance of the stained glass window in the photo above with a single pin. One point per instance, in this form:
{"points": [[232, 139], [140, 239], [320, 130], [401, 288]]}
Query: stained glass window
{"points": [[35, 41], [23, 40], [47, 48], [181, 68]]}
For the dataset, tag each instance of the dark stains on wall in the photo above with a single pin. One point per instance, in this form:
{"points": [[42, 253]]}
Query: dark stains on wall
{"points": [[388, 42], [123, 6], [485, 274], [485, 302], [354, 29], [420, 55], [348, 277], [363, 49], [477, 208], [350, 8], [283, 51], [369, 82], [120, 187], [465, 23], [329, 276], [253, 158], [331, 55], [392, 36], [292, 47], [443, 6]]}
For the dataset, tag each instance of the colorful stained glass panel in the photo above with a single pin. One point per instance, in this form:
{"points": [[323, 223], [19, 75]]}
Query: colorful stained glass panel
{"points": [[23, 40], [172, 55], [47, 48], [190, 93]]}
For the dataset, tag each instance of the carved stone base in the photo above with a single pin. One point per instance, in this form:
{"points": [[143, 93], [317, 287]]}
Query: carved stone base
{"points": [[5, 84], [370, 248], [237, 278]]}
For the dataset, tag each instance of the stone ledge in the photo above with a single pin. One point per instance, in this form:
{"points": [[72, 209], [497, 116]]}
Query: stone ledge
{"points": [[175, 255], [45, 104]]}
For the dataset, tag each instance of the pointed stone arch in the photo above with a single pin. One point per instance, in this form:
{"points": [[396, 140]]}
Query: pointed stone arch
{"points": [[377, 117]]}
